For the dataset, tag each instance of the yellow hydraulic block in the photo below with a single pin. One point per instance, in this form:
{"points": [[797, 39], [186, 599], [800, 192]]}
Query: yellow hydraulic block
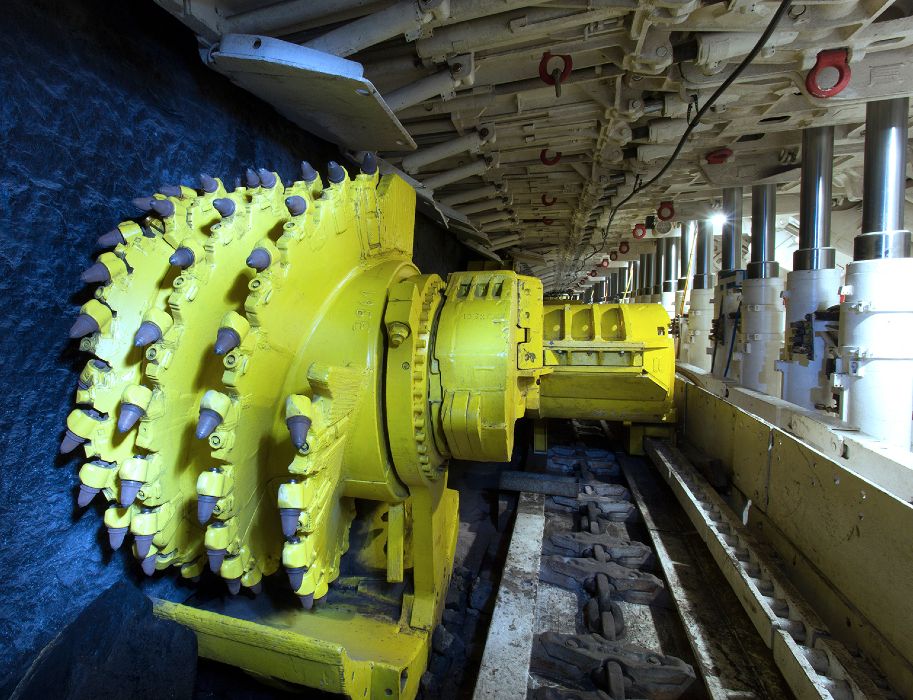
{"points": [[613, 362]]}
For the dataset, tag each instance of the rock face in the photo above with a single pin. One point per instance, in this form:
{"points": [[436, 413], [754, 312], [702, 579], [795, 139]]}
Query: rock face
{"points": [[115, 645]]}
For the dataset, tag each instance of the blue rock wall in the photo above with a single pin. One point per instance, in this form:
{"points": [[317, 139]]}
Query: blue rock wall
{"points": [[100, 102]]}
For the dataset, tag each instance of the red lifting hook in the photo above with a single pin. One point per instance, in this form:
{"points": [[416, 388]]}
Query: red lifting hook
{"points": [[565, 71], [830, 58], [546, 201], [613, 256], [640, 230], [547, 221], [543, 156], [624, 247], [665, 211]]}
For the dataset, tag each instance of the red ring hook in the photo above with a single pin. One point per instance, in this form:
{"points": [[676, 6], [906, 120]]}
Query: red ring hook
{"points": [[830, 58], [592, 273], [624, 247], [640, 231], [547, 221], [665, 211], [546, 201], [719, 156], [565, 70], [613, 256], [546, 160]]}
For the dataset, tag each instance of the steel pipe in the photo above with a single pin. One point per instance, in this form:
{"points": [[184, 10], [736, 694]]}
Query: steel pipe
{"points": [[884, 181], [659, 268], [703, 256], [456, 174], [671, 264], [649, 274], [470, 195], [763, 232], [470, 142], [641, 275], [685, 252], [814, 251], [442, 83], [403, 17], [732, 230]]}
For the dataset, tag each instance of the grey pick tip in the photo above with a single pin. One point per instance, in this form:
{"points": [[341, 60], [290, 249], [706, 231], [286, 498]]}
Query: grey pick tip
{"points": [[234, 585], [251, 179], [182, 257], [289, 517], [144, 204], [143, 543], [256, 588], [296, 576], [163, 207], [147, 333], [296, 204], [129, 415], [171, 191], [224, 205], [128, 491], [148, 564], [307, 601], [208, 184], [208, 422], [205, 506], [227, 339], [216, 557], [70, 442], [116, 536], [308, 174], [86, 494], [369, 164], [335, 173], [96, 274], [267, 179], [111, 239], [83, 325], [259, 259], [298, 428]]}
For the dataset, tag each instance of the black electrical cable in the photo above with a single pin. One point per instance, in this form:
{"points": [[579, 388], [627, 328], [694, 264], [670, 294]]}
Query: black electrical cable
{"points": [[739, 69]]}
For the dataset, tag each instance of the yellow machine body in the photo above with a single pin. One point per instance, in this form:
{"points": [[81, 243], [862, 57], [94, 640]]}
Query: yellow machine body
{"points": [[613, 362], [298, 412]]}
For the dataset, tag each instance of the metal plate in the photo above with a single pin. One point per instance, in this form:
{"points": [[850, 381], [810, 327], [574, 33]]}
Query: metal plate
{"points": [[324, 94]]}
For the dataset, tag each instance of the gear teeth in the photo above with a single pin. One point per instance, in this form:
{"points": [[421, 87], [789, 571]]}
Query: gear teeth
{"points": [[369, 164], [70, 442], [116, 537], [128, 491], [251, 179], [225, 206], [335, 172], [144, 204], [296, 205], [267, 179], [146, 334], [216, 557], [163, 207], [308, 174], [83, 325], [289, 518], [111, 239], [96, 274], [149, 563], [86, 494], [129, 416], [205, 507], [208, 183], [208, 422], [227, 339], [143, 545]]}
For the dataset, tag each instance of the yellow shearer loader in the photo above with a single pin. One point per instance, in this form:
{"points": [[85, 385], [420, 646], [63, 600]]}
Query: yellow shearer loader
{"points": [[275, 389]]}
